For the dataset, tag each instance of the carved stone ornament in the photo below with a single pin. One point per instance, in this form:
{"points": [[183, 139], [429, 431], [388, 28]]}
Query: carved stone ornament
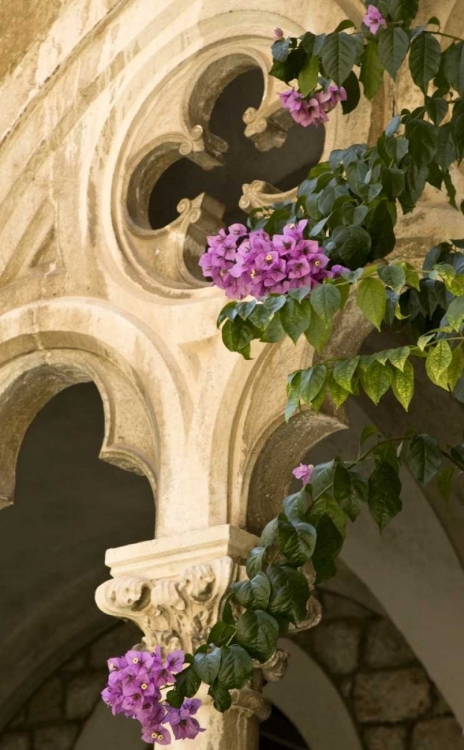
{"points": [[172, 614], [179, 614]]}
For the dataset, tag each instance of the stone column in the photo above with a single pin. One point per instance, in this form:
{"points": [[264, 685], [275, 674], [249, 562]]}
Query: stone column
{"points": [[173, 590]]}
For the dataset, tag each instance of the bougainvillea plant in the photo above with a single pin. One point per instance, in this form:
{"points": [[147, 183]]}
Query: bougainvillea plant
{"points": [[288, 273]]}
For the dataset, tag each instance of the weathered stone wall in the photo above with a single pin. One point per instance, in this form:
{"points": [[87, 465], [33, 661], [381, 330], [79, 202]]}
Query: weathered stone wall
{"points": [[54, 717], [395, 704]]}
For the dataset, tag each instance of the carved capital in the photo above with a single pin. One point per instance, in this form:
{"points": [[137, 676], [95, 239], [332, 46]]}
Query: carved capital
{"points": [[171, 613], [177, 610]]}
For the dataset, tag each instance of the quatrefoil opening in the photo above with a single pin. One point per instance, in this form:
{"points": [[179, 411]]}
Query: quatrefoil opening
{"points": [[240, 150]]}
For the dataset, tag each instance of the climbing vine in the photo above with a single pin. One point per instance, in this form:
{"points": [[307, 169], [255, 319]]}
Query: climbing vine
{"points": [[288, 273]]}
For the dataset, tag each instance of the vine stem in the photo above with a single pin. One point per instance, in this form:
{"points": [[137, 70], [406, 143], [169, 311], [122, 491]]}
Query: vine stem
{"points": [[449, 36]]}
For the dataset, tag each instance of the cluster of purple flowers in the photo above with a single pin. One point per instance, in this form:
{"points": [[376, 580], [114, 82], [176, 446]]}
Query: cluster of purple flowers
{"points": [[312, 111], [244, 263], [134, 690]]}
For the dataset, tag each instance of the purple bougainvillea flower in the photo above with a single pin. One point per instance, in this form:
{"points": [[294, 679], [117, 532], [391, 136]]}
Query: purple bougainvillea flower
{"points": [[156, 734], [116, 663], [303, 472], [373, 19], [183, 725], [278, 33], [114, 699], [337, 269], [139, 659], [192, 705], [175, 661], [152, 712], [333, 96]]}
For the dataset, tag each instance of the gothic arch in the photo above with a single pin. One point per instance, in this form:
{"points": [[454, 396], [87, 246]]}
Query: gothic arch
{"points": [[51, 345]]}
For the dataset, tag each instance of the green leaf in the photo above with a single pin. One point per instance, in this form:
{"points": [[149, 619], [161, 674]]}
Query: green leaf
{"points": [[371, 74], [312, 381], [337, 392], [445, 482], [457, 453], [274, 303], [367, 432], [296, 541], [269, 533], [338, 56], [352, 246], [260, 317], [187, 682], [289, 593], [393, 276], [353, 93], [350, 491], [424, 60], [174, 698], [207, 665], [280, 49], [446, 149], [274, 331], [295, 507], [293, 395], [384, 494], [403, 385], [237, 334], [423, 141], [322, 477], [393, 126], [258, 632], [221, 633], [393, 48], [455, 313], [307, 80], [326, 505], [381, 231], [295, 317], [397, 148], [376, 381], [343, 372], [236, 667], [346, 24], [318, 332], [393, 181], [454, 67], [437, 109], [329, 544], [439, 358], [371, 300], [255, 593], [456, 367], [325, 300], [256, 561], [222, 699], [244, 309], [228, 312], [424, 458], [398, 357]]}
